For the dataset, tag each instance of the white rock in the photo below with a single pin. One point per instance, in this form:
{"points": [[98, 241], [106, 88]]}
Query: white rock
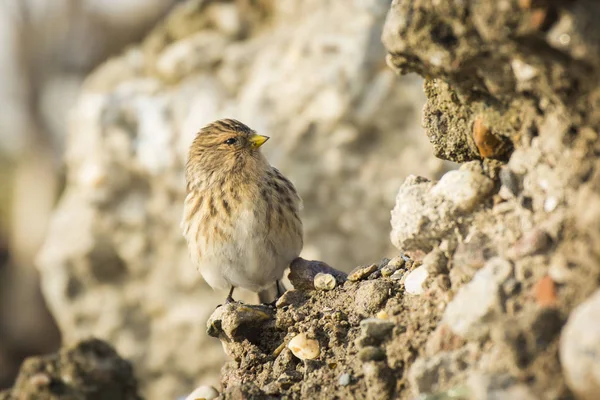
{"points": [[324, 281], [580, 349], [303, 347], [413, 283], [523, 71], [203, 393], [464, 188]]}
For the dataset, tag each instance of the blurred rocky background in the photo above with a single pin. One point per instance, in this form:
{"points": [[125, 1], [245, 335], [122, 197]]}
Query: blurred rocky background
{"points": [[310, 74]]}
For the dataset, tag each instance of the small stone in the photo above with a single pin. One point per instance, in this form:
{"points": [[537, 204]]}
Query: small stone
{"points": [[550, 204], [398, 275], [558, 270], [488, 144], [475, 305], [523, 71], [531, 243], [435, 263], [464, 188], [324, 281], [371, 353], [377, 329], [345, 379], [510, 180], [203, 393], [580, 349], [397, 262], [413, 283], [302, 273], [290, 297], [361, 272], [382, 315], [545, 292], [303, 347], [371, 296], [237, 321]]}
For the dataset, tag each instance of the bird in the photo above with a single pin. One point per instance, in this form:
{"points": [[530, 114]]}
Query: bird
{"points": [[240, 215]]}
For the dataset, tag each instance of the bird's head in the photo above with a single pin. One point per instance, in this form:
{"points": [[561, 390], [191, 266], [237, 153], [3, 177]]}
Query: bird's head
{"points": [[224, 147]]}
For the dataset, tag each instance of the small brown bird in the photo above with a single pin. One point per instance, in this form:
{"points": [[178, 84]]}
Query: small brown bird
{"points": [[240, 216]]}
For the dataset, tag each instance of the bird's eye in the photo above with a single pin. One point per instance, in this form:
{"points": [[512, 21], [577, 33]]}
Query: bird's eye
{"points": [[230, 141]]}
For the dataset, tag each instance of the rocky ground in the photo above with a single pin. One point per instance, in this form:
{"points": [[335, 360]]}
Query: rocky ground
{"points": [[493, 292]]}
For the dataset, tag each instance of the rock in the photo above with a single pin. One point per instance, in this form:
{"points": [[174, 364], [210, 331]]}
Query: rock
{"points": [[303, 273], [580, 349], [413, 283], [531, 243], [463, 188], [203, 393], [488, 144], [303, 347], [476, 304], [435, 263], [324, 281], [425, 211], [398, 275], [90, 369], [345, 379], [371, 295], [545, 292], [291, 298], [361, 272], [376, 329], [510, 181], [392, 266], [371, 353], [235, 322]]}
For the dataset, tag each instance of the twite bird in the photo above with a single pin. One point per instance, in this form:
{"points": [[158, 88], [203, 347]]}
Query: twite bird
{"points": [[240, 216]]}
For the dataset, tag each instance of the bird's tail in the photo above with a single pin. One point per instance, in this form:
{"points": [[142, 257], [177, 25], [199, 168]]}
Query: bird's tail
{"points": [[271, 293]]}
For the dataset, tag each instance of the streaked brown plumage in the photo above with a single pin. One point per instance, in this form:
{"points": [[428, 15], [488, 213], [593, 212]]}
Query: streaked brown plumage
{"points": [[240, 215]]}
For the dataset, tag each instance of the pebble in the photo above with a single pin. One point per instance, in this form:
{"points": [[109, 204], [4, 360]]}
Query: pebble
{"points": [[531, 243], [510, 181], [488, 144], [345, 379], [475, 305], [371, 296], [435, 263], [361, 272], [303, 347], [545, 292], [464, 188], [371, 353], [398, 275], [413, 283], [378, 329], [580, 349], [203, 392], [523, 71], [289, 298], [398, 261], [324, 281]]}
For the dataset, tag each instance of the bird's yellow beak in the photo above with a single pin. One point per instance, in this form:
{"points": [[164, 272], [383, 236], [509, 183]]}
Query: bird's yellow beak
{"points": [[257, 140]]}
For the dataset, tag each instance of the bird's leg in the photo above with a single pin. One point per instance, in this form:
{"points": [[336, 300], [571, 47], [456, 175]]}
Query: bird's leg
{"points": [[229, 298]]}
